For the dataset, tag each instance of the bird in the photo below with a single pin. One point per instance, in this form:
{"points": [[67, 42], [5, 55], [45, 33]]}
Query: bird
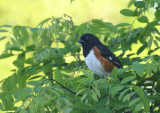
{"points": [[98, 58]]}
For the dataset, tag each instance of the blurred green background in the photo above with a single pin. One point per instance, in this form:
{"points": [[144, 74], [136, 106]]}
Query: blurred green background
{"points": [[31, 12]]}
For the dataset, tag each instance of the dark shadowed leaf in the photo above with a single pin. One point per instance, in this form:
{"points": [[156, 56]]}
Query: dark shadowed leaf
{"points": [[127, 12], [139, 4], [128, 79], [156, 43], [157, 14], [2, 30], [2, 38], [150, 42], [5, 55], [141, 49], [143, 19], [5, 26], [158, 38]]}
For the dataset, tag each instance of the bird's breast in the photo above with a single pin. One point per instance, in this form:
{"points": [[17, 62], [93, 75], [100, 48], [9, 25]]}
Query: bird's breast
{"points": [[94, 64]]}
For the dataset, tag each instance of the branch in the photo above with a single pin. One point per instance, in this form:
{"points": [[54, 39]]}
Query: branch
{"points": [[65, 87]]}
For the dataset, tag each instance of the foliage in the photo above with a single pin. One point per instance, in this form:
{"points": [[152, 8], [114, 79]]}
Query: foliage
{"points": [[46, 80]]}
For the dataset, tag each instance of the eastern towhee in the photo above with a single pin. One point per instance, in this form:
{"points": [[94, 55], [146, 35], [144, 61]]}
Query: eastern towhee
{"points": [[99, 59]]}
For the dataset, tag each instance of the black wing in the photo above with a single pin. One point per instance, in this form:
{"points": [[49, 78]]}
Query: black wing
{"points": [[105, 52]]}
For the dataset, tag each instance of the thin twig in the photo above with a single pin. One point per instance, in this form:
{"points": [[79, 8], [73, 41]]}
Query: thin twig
{"points": [[64, 87]]}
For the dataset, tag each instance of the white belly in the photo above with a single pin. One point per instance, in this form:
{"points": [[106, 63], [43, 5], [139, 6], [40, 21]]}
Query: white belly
{"points": [[94, 64]]}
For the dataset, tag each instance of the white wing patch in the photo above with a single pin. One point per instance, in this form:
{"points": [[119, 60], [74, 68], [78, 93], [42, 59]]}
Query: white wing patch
{"points": [[110, 58]]}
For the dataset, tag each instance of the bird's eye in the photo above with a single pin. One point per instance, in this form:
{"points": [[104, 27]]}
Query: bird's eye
{"points": [[83, 38]]}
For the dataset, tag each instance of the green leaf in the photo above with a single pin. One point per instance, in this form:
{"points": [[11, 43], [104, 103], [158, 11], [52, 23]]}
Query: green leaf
{"points": [[154, 66], [159, 65], [2, 38], [15, 48], [96, 90], [148, 68], [83, 97], [139, 68], [33, 83], [132, 102], [20, 60], [76, 111], [59, 76], [24, 35], [139, 107], [10, 84], [115, 89], [156, 43], [128, 96], [103, 110], [128, 79], [87, 73], [114, 73], [150, 42], [139, 4], [131, 2], [122, 24], [158, 38], [140, 92], [123, 93], [5, 55], [81, 91], [2, 30], [5, 26], [157, 14], [127, 12], [7, 101], [94, 96], [141, 49], [143, 19], [44, 21], [1, 106]]}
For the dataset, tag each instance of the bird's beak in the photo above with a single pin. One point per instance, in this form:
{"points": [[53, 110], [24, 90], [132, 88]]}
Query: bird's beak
{"points": [[80, 41]]}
